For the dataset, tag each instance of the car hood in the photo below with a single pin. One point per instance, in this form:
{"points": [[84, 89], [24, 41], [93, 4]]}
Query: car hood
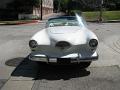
{"points": [[75, 35], [72, 34], [63, 29]]}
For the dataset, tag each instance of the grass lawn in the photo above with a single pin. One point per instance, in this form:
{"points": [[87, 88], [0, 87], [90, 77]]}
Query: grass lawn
{"points": [[107, 15]]}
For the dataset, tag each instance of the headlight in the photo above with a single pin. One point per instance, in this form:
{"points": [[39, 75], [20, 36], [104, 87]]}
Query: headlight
{"points": [[93, 43], [32, 44]]}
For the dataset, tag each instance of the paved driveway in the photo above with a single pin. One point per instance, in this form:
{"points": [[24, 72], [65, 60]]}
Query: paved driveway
{"points": [[103, 74]]}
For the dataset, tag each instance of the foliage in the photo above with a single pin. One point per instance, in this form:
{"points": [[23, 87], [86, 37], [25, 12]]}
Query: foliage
{"points": [[87, 5], [22, 6]]}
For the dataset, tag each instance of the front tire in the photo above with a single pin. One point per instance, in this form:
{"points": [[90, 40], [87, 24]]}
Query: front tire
{"points": [[84, 65]]}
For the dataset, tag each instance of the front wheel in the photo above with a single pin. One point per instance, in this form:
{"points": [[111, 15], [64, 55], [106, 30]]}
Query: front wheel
{"points": [[84, 65]]}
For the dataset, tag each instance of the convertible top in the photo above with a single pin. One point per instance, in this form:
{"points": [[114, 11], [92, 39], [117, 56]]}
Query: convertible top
{"points": [[64, 17]]}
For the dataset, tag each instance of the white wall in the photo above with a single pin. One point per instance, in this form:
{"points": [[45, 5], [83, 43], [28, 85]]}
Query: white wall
{"points": [[48, 3]]}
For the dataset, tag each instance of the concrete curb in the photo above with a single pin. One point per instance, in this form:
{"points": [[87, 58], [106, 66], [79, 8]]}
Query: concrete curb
{"points": [[21, 22]]}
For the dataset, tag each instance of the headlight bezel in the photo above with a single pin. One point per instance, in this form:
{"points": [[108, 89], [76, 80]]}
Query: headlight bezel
{"points": [[93, 43], [33, 44]]}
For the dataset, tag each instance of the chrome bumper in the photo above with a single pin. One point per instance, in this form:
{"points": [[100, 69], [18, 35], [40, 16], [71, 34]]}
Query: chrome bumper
{"points": [[74, 58]]}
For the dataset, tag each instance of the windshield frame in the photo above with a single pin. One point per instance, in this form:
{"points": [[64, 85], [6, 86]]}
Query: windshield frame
{"points": [[64, 19]]}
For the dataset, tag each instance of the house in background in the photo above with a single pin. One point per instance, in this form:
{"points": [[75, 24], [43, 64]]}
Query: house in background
{"points": [[24, 9], [47, 8], [35, 12]]}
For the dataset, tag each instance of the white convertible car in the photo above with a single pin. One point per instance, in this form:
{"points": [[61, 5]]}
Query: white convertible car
{"points": [[65, 40]]}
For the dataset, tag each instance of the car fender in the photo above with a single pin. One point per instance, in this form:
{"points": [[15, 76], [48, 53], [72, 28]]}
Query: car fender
{"points": [[41, 37]]}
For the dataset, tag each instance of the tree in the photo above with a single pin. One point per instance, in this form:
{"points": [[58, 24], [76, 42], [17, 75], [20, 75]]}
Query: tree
{"points": [[23, 5], [66, 6]]}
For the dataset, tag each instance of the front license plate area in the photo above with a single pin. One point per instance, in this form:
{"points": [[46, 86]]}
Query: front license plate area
{"points": [[53, 60], [63, 61]]}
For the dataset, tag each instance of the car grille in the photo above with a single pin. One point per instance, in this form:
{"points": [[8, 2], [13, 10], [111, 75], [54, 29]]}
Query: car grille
{"points": [[62, 45]]}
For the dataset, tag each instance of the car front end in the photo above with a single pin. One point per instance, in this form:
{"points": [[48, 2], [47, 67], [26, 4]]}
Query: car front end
{"points": [[63, 50]]}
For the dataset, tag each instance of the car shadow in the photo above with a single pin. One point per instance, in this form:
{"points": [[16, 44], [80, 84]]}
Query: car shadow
{"points": [[65, 72], [31, 69], [26, 68]]}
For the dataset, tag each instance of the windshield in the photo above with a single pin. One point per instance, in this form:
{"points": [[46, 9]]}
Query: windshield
{"points": [[62, 21]]}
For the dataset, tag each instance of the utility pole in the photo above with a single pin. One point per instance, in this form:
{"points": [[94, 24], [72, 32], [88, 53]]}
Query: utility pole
{"points": [[59, 5], [41, 2], [101, 11]]}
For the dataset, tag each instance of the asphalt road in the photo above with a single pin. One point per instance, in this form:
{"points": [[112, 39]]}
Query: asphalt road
{"points": [[103, 74]]}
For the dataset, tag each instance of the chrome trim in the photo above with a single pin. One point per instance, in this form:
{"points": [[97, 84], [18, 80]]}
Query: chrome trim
{"points": [[54, 60]]}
